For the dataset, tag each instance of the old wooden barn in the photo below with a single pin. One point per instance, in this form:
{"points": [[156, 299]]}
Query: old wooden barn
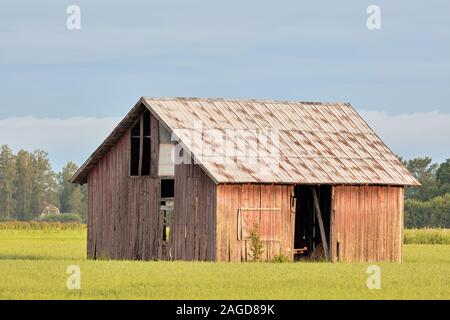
{"points": [[189, 179]]}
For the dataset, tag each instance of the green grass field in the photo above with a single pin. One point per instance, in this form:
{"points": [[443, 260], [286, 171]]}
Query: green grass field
{"points": [[33, 265]]}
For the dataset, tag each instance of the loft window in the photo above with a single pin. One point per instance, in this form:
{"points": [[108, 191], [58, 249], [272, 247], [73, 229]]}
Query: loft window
{"points": [[147, 145], [135, 148], [167, 188], [141, 146]]}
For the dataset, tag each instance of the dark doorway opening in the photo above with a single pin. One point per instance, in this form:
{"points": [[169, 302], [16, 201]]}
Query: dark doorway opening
{"points": [[167, 204], [308, 241]]}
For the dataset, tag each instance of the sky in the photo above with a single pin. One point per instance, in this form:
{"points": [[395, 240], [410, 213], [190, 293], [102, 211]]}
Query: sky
{"points": [[64, 90]]}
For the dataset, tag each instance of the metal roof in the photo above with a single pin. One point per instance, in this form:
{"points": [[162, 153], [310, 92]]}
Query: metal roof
{"points": [[265, 141]]}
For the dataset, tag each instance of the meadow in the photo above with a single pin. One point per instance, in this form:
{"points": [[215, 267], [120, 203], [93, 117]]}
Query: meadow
{"points": [[34, 261]]}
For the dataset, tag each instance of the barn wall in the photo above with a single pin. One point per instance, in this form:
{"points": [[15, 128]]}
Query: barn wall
{"points": [[275, 225], [192, 230], [124, 211], [367, 223]]}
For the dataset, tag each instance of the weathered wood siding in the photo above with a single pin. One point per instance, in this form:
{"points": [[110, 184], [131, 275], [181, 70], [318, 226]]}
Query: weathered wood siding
{"points": [[193, 226], [367, 223], [123, 210], [231, 197]]}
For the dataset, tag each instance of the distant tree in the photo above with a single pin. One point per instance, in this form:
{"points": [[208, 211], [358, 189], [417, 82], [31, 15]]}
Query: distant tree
{"points": [[84, 210], [425, 172], [7, 175], [66, 188], [73, 198], [23, 185], [431, 213], [44, 186], [76, 201], [443, 177]]}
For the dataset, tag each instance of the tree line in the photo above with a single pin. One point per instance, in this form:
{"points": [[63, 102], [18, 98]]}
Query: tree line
{"points": [[28, 186], [429, 204]]}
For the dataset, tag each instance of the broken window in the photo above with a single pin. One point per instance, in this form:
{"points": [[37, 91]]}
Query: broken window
{"points": [[140, 153]]}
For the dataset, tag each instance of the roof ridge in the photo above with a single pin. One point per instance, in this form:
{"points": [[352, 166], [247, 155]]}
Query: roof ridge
{"points": [[326, 103]]}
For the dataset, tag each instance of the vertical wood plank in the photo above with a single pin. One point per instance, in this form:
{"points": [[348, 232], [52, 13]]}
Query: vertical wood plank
{"points": [[368, 223]]}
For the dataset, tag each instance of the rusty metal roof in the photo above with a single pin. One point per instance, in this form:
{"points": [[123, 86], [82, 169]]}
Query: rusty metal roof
{"points": [[265, 141]]}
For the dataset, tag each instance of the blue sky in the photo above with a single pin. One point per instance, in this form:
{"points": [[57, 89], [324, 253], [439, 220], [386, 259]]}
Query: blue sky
{"points": [[53, 79]]}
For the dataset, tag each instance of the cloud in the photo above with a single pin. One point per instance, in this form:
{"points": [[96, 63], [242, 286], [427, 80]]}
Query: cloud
{"points": [[64, 139], [409, 135], [413, 134]]}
